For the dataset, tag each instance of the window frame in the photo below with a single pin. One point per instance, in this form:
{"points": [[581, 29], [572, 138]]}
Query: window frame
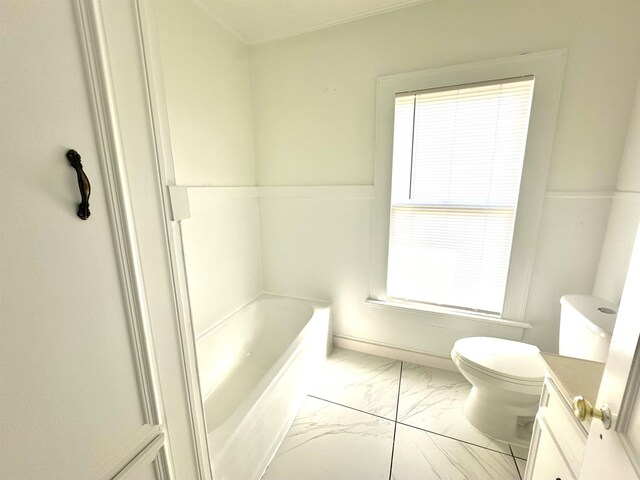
{"points": [[548, 70]]}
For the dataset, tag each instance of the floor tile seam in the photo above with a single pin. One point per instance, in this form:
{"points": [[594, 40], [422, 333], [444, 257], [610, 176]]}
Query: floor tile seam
{"points": [[399, 391], [515, 462], [393, 448], [514, 454], [395, 422], [457, 439], [351, 408]]}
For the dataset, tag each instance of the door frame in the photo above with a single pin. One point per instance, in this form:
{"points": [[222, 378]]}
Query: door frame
{"points": [[152, 443], [159, 118]]}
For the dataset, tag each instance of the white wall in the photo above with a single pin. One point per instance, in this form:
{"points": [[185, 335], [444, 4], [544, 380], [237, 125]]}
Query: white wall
{"points": [[222, 253], [314, 116], [207, 86], [624, 217], [318, 248]]}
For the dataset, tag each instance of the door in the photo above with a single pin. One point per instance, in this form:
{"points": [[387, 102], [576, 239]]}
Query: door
{"points": [[78, 396], [615, 453]]}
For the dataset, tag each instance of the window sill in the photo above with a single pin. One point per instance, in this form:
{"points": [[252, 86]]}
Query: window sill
{"points": [[451, 312]]}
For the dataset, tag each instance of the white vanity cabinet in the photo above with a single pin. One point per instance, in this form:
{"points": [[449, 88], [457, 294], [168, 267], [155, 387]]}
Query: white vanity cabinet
{"points": [[559, 438]]}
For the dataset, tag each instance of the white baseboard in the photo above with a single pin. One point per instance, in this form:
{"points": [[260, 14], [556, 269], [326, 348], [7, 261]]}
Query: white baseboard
{"points": [[393, 351]]}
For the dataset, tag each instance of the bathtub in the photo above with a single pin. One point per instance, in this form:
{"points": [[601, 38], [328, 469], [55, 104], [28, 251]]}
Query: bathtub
{"points": [[254, 370]]}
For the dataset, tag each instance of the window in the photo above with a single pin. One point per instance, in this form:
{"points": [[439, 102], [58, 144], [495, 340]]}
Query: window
{"points": [[457, 162], [462, 156]]}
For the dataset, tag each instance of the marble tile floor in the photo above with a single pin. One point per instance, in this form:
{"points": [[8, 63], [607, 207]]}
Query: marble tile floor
{"points": [[370, 418]]}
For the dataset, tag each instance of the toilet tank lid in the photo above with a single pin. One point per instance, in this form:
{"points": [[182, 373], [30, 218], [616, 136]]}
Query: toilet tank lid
{"points": [[509, 358], [592, 311]]}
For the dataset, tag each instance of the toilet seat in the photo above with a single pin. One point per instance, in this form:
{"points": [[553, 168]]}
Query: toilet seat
{"points": [[506, 360]]}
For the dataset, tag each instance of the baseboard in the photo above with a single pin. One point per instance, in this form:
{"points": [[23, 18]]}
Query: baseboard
{"points": [[394, 351]]}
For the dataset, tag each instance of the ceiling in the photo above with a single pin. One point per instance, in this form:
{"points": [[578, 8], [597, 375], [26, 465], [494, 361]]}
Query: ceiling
{"points": [[259, 21]]}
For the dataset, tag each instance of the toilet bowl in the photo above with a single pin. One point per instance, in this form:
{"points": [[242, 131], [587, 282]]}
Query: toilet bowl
{"points": [[506, 376], [506, 379]]}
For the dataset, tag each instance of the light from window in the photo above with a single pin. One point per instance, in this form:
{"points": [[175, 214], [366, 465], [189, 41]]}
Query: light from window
{"points": [[457, 163]]}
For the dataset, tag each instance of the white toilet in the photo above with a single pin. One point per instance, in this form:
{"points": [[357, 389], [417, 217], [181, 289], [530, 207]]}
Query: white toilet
{"points": [[506, 376]]}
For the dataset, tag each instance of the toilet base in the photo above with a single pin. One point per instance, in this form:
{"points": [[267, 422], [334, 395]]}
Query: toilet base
{"points": [[505, 416]]}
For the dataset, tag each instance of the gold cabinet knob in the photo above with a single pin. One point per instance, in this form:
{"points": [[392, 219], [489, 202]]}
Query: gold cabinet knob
{"points": [[583, 410]]}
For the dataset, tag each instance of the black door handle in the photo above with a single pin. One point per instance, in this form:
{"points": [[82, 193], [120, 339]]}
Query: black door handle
{"points": [[83, 184]]}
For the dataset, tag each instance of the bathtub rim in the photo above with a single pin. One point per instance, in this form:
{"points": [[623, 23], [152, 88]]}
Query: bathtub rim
{"points": [[218, 323]]}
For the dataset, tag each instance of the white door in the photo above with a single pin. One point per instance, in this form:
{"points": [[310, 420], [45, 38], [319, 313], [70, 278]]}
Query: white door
{"points": [[615, 453], [78, 398]]}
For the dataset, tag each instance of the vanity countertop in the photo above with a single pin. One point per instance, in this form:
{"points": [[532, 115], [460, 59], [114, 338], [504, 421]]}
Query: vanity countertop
{"points": [[574, 376]]}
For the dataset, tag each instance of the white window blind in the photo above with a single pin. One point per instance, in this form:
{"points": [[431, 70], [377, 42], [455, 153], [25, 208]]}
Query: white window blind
{"points": [[457, 163]]}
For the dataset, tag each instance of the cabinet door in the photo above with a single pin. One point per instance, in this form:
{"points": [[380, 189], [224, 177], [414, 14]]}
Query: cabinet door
{"points": [[545, 460], [77, 398]]}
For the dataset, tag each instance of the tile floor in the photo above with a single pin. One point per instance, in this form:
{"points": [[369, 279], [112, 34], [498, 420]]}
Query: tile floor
{"points": [[373, 418]]}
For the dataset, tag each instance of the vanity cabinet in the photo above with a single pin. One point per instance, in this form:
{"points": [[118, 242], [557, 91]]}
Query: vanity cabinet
{"points": [[559, 439]]}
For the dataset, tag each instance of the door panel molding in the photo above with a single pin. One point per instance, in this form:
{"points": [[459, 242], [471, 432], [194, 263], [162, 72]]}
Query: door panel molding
{"points": [[155, 450], [151, 436], [127, 454]]}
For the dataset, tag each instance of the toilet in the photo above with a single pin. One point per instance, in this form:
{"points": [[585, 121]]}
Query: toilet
{"points": [[506, 376]]}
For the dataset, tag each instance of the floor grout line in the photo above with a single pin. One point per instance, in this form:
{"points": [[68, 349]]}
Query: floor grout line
{"points": [[350, 408], [414, 426], [515, 462], [456, 439], [395, 423]]}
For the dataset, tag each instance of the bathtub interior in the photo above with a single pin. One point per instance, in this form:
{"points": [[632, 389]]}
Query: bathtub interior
{"points": [[255, 368], [237, 357]]}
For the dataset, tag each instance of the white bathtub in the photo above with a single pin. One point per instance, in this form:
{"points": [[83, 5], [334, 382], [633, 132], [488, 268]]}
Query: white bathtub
{"points": [[254, 370]]}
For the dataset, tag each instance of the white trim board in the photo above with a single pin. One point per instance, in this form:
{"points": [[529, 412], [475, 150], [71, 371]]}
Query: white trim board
{"points": [[228, 192], [324, 191], [352, 18], [159, 120], [208, 10], [366, 192], [625, 194], [346, 192], [393, 351], [433, 310], [585, 194]]}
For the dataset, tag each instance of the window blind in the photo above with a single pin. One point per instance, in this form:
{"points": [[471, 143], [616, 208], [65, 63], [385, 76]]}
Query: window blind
{"points": [[457, 163]]}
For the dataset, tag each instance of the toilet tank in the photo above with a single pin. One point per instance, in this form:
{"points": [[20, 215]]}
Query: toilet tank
{"points": [[586, 324]]}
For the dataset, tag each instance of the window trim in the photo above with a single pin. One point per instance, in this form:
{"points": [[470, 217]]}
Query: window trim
{"points": [[548, 70]]}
